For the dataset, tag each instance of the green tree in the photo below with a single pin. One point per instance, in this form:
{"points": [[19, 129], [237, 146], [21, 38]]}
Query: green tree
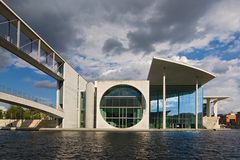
{"points": [[14, 112], [27, 114], [1, 114]]}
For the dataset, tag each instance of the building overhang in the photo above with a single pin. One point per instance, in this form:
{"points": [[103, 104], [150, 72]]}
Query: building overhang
{"points": [[215, 98], [176, 73]]}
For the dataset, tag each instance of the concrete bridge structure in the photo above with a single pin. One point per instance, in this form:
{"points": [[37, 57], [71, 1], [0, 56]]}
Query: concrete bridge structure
{"points": [[15, 100], [21, 40]]}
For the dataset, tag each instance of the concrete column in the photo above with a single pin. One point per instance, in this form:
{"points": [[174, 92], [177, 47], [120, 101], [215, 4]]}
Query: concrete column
{"points": [[39, 50], [208, 109], [78, 104], [89, 121], [215, 107], [178, 108], [158, 114], [57, 95], [53, 62], [18, 33], [164, 101], [9, 32], [196, 105]]}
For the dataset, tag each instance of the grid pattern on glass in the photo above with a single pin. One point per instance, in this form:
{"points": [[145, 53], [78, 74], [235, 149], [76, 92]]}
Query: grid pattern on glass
{"points": [[82, 110], [156, 114], [121, 106], [180, 108]]}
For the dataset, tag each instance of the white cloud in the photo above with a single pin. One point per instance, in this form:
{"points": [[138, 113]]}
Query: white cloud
{"points": [[45, 84], [4, 106], [98, 21], [224, 17], [225, 84]]}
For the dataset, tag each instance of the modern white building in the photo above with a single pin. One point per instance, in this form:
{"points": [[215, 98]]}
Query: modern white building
{"points": [[170, 97]]}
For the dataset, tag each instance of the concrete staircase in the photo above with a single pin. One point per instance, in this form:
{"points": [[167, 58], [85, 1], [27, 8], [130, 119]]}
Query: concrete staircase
{"points": [[28, 123], [47, 124], [19, 123], [34, 123], [211, 122]]}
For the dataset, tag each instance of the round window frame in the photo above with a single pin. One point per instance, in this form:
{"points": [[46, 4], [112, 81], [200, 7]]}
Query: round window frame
{"points": [[142, 104]]}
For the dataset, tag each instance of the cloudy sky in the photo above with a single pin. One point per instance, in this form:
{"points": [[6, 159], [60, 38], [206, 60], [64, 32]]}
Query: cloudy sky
{"points": [[113, 39]]}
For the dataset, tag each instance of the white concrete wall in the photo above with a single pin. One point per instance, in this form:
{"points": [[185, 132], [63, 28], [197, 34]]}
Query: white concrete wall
{"points": [[211, 122], [103, 86], [90, 91], [71, 100], [82, 85]]}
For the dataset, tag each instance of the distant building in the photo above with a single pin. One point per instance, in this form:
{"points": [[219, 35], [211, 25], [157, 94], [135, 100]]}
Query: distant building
{"points": [[222, 118], [238, 118], [231, 119]]}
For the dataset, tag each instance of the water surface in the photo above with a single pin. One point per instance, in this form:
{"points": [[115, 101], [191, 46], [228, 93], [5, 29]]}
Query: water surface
{"points": [[120, 145]]}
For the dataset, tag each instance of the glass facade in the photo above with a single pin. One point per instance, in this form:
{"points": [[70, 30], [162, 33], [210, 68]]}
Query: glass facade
{"points": [[82, 109], [180, 107], [122, 106]]}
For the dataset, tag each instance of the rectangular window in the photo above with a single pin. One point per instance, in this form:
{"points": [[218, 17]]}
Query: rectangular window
{"points": [[82, 109]]}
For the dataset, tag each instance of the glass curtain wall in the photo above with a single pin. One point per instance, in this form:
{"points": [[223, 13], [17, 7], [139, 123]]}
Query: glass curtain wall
{"points": [[82, 109], [156, 111], [180, 107], [200, 107], [121, 106]]}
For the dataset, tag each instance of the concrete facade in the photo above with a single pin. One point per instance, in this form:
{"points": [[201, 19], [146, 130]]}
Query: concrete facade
{"points": [[82, 84], [103, 86], [90, 93], [71, 100], [211, 122]]}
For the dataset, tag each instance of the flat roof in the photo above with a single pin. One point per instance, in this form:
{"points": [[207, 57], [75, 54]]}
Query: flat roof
{"points": [[176, 73], [216, 97]]}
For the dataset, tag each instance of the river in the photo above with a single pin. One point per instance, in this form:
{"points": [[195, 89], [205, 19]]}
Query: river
{"points": [[120, 145]]}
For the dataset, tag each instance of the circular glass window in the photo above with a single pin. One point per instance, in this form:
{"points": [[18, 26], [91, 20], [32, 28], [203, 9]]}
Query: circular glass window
{"points": [[122, 106]]}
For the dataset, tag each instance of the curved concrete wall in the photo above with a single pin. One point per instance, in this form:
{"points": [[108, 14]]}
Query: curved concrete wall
{"points": [[90, 91], [142, 86]]}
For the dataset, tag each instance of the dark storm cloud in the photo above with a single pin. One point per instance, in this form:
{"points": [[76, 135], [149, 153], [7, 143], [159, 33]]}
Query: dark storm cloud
{"points": [[126, 11], [113, 45], [173, 21], [61, 22], [55, 23]]}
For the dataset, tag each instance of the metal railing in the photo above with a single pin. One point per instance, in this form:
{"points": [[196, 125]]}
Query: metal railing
{"points": [[27, 47], [21, 94]]}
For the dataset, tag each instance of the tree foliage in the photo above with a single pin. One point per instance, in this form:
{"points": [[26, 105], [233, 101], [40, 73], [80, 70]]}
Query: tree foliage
{"points": [[16, 112]]}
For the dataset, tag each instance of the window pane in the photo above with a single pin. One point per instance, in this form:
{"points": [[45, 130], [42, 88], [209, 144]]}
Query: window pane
{"points": [[122, 105]]}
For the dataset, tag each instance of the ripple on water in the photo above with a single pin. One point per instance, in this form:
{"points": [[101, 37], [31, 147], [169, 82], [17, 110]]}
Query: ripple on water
{"points": [[120, 145]]}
